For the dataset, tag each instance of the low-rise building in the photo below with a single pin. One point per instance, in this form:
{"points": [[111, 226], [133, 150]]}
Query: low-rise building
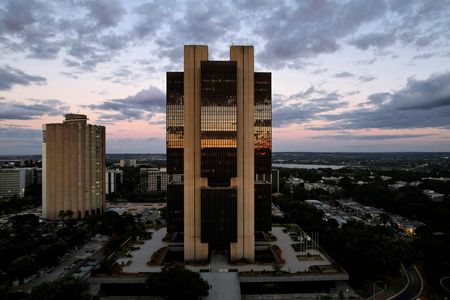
{"points": [[128, 163], [332, 179], [295, 181], [436, 197], [397, 185], [318, 185]]}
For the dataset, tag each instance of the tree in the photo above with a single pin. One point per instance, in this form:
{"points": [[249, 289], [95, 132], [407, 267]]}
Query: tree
{"points": [[111, 223], [177, 283], [47, 254], [22, 267], [20, 221], [67, 289]]}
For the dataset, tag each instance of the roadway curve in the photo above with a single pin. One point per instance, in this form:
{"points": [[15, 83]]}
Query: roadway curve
{"points": [[414, 286], [446, 288]]}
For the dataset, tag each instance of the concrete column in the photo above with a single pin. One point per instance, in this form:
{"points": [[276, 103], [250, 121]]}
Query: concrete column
{"points": [[59, 166], [74, 162], [67, 159], [44, 173], [194, 250], [244, 248]]}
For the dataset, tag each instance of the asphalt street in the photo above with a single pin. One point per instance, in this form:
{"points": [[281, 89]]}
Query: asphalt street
{"points": [[415, 285]]}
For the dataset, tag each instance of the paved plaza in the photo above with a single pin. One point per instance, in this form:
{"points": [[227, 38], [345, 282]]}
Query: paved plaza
{"points": [[218, 262]]}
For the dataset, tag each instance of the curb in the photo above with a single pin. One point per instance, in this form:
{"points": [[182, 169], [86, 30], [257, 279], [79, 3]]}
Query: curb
{"points": [[421, 282]]}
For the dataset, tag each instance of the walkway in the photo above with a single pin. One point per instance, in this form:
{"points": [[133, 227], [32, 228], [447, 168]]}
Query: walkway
{"points": [[223, 286], [141, 256]]}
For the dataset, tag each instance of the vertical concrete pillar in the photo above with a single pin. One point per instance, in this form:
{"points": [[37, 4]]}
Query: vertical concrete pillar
{"points": [[59, 166], [44, 172], [194, 250], [245, 246]]}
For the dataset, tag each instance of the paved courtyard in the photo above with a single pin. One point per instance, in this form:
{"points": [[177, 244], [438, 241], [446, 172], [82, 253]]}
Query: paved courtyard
{"points": [[218, 262], [141, 256]]}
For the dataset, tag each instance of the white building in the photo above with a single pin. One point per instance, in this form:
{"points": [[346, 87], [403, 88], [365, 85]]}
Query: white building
{"points": [[154, 179], [13, 182], [397, 185], [318, 185], [128, 163], [113, 178], [436, 197]]}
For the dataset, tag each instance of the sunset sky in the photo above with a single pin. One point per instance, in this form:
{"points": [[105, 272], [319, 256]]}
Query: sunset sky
{"points": [[347, 76]]}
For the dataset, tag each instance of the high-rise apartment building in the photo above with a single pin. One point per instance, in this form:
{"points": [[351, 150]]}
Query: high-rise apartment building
{"points": [[219, 127], [73, 168]]}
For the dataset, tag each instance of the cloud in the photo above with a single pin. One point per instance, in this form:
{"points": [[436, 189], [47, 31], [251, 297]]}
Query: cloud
{"points": [[149, 16], [366, 78], [409, 23], [107, 13], [424, 56], [14, 110], [19, 139], [123, 75], [199, 22], [143, 105], [87, 33], [421, 104], [85, 29], [374, 39], [10, 76], [343, 75], [17, 15], [311, 28], [29, 27], [304, 106]]}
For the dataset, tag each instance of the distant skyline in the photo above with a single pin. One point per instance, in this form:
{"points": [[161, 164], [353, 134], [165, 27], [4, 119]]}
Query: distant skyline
{"points": [[347, 76]]}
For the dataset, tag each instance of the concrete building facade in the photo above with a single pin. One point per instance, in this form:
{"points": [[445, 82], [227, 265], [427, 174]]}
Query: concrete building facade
{"points": [[153, 179], [275, 179], [113, 179], [219, 138], [13, 182], [73, 168]]}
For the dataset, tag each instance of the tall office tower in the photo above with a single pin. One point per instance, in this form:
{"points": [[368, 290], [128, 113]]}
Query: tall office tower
{"points": [[73, 168], [219, 137]]}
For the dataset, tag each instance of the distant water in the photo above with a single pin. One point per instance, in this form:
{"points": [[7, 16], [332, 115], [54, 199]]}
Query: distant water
{"points": [[300, 166]]}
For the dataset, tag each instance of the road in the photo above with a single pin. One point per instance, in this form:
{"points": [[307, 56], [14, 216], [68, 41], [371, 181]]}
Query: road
{"points": [[65, 268], [415, 285], [443, 281]]}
